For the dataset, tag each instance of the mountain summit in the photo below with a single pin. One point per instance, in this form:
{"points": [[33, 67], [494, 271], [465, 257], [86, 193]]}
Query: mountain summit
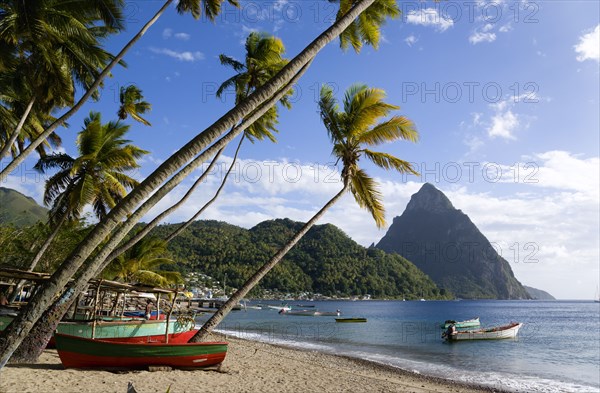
{"points": [[429, 199], [445, 244]]}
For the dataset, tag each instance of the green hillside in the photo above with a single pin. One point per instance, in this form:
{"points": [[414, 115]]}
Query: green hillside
{"points": [[19, 210], [325, 261]]}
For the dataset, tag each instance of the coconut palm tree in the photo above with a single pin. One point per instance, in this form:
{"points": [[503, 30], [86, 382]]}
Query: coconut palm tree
{"points": [[141, 264], [97, 177], [147, 194], [133, 104], [351, 130], [56, 45], [103, 7], [264, 58]]}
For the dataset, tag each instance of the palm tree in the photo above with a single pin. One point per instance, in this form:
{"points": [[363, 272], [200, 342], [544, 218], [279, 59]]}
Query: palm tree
{"points": [[351, 131], [141, 264], [151, 191], [133, 104], [97, 177], [211, 8], [366, 29], [56, 45], [263, 60]]}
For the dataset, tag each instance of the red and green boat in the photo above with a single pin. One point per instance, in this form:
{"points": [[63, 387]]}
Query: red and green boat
{"points": [[131, 331], [78, 352]]}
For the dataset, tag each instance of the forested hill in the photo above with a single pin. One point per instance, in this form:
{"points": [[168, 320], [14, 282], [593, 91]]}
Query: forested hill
{"points": [[325, 261]]}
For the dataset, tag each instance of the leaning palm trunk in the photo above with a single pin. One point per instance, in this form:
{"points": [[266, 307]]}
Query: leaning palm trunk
{"points": [[152, 224], [260, 273], [35, 342], [61, 120], [15, 135], [38, 256], [189, 222], [13, 335]]}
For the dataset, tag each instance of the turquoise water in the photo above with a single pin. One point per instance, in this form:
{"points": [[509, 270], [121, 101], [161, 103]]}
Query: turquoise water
{"points": [[557, 350]]}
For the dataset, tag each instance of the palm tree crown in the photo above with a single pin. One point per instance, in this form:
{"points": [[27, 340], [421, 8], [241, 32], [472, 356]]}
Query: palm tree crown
{"points": [[356, 126], [133, 104], [366, 29], [141, 264], [264, 59], [97, 176]]}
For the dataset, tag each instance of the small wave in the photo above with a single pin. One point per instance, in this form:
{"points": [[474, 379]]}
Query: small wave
{"points": [[516, 383]]}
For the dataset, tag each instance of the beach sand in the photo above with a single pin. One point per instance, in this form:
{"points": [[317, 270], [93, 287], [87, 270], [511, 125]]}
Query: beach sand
{"points": [[249, 367]]}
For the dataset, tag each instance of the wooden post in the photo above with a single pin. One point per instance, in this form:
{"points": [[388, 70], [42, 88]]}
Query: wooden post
{"points": [[169, 318], [95, 309], [157, 307], [124, 303]]}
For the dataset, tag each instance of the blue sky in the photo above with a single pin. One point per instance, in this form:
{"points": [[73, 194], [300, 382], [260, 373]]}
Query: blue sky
{"points": [[504, 95]]}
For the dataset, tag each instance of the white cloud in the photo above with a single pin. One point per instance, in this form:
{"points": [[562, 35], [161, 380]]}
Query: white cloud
{"points": [[588, 47], [481, 36], [181, 56], [503, 125], [411, 40], [182, 36], [429, 17], [549, 213], [167, 33]]}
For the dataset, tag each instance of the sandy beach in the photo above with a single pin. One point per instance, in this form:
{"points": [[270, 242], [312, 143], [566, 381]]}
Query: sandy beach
{"points": [[249, 367]]}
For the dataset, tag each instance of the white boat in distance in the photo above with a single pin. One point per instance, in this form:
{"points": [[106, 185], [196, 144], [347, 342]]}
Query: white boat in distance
{"points": [[494, 333], [282, 307]]}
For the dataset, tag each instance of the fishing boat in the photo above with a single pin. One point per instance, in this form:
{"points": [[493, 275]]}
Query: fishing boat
{"points": [[132, 331], [462, 324], [493, 333], [79, 352], [311, 313], [351, 320], [282, 307], [303, 313]]}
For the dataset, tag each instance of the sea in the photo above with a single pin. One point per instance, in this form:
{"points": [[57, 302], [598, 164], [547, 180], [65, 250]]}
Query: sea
{"points": [[557, 349]]}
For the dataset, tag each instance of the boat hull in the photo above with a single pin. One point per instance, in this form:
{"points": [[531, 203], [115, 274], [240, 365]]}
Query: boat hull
{"points": [[350, 320], [496, 333], [78, 352], [462, 324]]}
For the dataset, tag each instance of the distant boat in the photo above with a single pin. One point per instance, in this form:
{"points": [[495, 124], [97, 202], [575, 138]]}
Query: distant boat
{"points": [[351, 320], [494, 333], [282, 307], [305, 305], [311, 313], [462, 324], [78, 352]]}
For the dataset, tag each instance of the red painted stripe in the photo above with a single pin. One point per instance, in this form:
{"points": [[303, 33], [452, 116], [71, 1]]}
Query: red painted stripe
{"points": [[77, 360]]}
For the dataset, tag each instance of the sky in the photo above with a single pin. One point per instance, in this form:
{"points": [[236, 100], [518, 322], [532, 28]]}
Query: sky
{"points": [[505, 95]]}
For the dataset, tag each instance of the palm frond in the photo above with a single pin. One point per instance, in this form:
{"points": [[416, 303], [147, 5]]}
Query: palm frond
{"points": [[365, 192]]}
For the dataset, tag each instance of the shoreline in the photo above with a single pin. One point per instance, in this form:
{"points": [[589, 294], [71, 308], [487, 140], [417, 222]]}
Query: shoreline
{"points": [[250, 366]]}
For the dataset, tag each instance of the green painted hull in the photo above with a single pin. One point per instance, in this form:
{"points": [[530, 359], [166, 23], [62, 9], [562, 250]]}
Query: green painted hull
{"points": [[111, 329]]}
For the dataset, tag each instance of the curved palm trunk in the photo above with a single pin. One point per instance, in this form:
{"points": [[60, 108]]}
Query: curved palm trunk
{"points": [[35, 342], [13, 335], [61, 120], [189, 222], [260, 273], [15, 135], [152, 224]]}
